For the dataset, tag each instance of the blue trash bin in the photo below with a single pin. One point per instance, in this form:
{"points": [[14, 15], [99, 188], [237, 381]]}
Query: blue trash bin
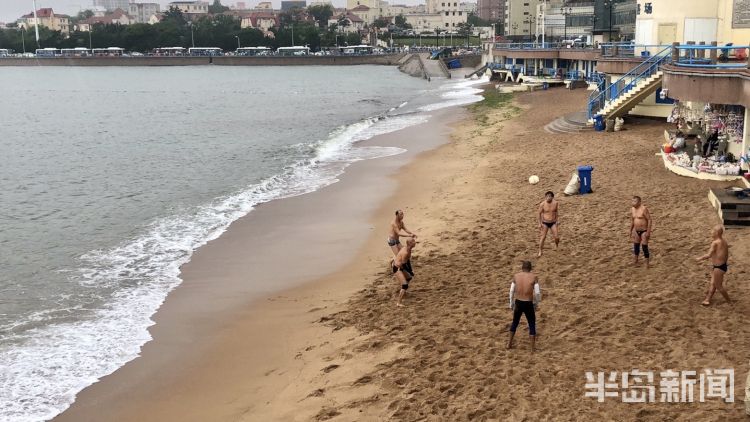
{"points": [[545, 85], [599, 123], [584, 173]]}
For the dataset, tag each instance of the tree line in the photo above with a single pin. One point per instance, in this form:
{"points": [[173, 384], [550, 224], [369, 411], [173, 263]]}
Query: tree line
{"points": [[175, 30]]}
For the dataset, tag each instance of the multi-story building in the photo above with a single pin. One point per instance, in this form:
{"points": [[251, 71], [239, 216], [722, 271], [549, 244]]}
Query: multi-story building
{"points": [[491, 10], [47, 18], [118, 17], [111, 5], [264, 5], [191, 8], [142, 12], [287, 5], [365, 13], [520, 18], [240, 5]]}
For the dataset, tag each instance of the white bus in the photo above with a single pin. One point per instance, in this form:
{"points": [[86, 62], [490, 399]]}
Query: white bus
{"points": [[4, 52], [169, 51], [253, 51], [293, 51], [205, 51], [75, 52], [108, 52], [47, 52]]}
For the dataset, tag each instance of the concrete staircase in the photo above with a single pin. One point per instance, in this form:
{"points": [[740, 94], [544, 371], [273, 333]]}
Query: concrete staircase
{"points": [[621, 105], [570, 123]]}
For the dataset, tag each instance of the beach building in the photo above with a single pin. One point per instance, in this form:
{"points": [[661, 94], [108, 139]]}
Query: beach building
{"points": [[110, 5], [191, 8], [47, 18], [142, 12]]}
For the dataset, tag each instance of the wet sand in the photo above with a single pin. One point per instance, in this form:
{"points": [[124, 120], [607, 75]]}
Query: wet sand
{"points": [[338, 349]]}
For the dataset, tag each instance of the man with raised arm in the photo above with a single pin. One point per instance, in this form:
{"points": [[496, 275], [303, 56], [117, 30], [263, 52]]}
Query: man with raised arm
{"points": [[718, 253], [525, 295], [401, 267]]}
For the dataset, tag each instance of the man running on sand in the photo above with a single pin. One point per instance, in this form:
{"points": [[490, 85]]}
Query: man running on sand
{"points": [[640, 229], [525, 295], [548, 220], [397, 225], [401, 267], [719, 255]]}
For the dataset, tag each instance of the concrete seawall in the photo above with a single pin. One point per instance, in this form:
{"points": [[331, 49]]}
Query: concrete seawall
{"points": [[385, 59]]}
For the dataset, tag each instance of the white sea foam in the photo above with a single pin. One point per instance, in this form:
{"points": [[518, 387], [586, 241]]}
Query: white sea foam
{"points": [[458, 93], [44, 369]]}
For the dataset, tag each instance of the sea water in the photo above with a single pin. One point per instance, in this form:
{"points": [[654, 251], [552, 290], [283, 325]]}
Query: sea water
{"points": [[111, 177]]}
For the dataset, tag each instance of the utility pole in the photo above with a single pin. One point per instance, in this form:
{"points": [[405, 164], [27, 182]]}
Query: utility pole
{"points": [[36, 24]]}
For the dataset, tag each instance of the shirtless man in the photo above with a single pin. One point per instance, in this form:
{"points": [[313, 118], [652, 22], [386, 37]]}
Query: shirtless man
{"points": [[397, 226], [719, 256], [548, 219], [640, 229], [525, 295], [401, 267]]}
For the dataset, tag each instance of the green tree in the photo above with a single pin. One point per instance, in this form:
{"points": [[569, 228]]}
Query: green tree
{"points": [[82, 16], [217, 8], [321, 13], [381, 22]]}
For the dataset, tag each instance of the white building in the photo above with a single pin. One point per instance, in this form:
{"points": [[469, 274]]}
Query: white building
{"points": [[142, 12], [191, 7], [111, 5]]}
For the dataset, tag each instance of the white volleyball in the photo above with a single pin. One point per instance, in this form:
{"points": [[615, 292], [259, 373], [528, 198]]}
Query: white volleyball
{"points": [[534, 179]]}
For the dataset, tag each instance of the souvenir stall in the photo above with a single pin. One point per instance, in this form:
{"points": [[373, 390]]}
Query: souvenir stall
{"points": [[707, 140]]}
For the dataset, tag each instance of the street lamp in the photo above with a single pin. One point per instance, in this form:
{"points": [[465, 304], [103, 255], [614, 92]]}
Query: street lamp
{"points": [[514, 27], [91, 29], [23, 39], [238, 41], [609, 3], [192, 35], [530, 20], [565, 12]]}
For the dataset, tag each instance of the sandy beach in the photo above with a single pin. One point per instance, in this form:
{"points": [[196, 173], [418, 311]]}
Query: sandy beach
{"points": [[332, 345]]}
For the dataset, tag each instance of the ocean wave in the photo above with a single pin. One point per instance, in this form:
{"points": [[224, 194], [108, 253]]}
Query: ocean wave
{"points": [[43, 368], [458, 94]]}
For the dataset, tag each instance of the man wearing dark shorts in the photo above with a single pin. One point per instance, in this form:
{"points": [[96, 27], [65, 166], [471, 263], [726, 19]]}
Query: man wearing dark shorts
{"points": [[718, 253], [525, 295], [401, 267]]}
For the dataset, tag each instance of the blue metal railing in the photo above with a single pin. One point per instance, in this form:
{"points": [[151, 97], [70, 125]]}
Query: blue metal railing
{"points": [[695, 56], [598, 99]]}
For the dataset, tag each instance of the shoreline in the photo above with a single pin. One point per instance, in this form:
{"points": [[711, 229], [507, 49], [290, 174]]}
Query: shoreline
{"points": [[194, 310]]}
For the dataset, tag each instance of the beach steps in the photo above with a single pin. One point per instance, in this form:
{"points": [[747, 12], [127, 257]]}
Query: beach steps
{"points": [[570, 123], [732, 210], [621, 105]]}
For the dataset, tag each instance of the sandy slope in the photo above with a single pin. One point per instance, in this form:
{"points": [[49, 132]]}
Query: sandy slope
{"points": [[599, 313]]}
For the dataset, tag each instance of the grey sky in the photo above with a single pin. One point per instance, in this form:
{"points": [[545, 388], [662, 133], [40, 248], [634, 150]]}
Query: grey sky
{"points": [[10, 10]]}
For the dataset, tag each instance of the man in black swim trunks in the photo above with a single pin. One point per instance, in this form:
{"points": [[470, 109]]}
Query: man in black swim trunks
{"points": [[395, 232], [525, 295], [640, 229], [549, 219], [718, 253], [401, 267]]}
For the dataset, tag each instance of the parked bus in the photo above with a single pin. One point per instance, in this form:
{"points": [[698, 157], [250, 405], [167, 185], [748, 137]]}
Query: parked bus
{"points": [[205, 51], [169, 51], [47, 52], [108, 52], [75, 52], [253, 51], [4, 52], [293, 51]]}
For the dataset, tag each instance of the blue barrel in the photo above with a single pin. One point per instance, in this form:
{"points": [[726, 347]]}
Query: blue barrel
{"points": [[545, 85], [599, 123], [584, 173]]}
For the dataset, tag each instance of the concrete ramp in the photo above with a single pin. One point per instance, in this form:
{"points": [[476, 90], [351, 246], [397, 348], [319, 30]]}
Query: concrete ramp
{"points": [[433, 68]]}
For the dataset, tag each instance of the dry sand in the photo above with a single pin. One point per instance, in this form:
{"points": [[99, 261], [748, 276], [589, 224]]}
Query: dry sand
{"points": [[338, 349]]}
